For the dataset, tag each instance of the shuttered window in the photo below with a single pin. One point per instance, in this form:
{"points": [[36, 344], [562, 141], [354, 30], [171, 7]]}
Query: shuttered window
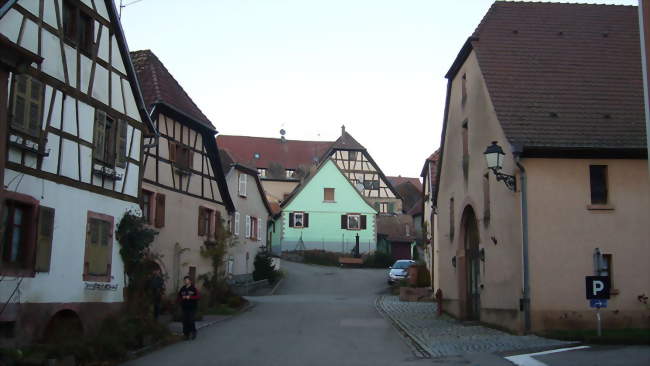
{"points": [[254, 228], [109, 140], [205, 219], [243, 181], [120, 158], [78, 26], [27, 106], [147, 205], [44, 239], [236, 223], [353, 222], [298, 219], [99, 247], [160, 210], [328, 194], [248, 226]]}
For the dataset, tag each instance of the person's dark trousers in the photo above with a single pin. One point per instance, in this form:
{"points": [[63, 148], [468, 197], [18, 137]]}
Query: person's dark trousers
{"points": [[189, 328], [156, 308]]}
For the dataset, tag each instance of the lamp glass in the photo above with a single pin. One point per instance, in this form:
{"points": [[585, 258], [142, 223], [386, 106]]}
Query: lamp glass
{"points": [[494, 160]]}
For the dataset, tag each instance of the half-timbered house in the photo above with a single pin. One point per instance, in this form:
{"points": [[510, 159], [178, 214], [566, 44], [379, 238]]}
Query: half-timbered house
{"points": [[184, 192], [73, 124]]}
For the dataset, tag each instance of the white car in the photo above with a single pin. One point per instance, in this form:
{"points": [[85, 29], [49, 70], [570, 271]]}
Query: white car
{"points": [[398, 271]]}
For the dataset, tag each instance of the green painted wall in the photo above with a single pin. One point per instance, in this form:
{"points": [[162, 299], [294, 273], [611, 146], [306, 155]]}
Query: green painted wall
{"points": [[324, 231]]}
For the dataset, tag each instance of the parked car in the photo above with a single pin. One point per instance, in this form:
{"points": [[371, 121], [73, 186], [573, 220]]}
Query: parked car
{"points": [[398, 271]]}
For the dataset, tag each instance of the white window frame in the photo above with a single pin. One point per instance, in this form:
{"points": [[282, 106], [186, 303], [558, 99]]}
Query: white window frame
{"points": [[358, 221], [261, 172], [243, 182], [248, 226], [383, 207], [237, 218], [259, 229], [302, 219], [289, 173]]}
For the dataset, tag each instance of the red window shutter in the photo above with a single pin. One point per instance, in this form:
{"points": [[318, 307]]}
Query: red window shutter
{"points": [[344, 221], [363, 222], [160, 210]]}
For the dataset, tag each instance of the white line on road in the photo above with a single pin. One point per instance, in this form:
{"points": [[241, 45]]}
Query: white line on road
{"points": [[528, 360]]}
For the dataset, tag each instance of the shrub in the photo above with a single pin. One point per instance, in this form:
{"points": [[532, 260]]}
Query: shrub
{"points": [[424, 277], [321, 257], [378, 260], [264, 268], [235, 302]]}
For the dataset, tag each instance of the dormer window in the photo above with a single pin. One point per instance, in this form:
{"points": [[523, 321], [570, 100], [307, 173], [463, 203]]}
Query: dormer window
{"points": [[261, 172], [78, 26], [290, 173]]}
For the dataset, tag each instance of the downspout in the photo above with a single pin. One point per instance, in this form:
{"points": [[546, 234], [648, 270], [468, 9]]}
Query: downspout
{"points": [[524, 240], [645, 64]]}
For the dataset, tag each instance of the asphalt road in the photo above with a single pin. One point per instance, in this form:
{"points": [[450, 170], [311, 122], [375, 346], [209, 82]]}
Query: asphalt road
{"points": [[318, 316]]}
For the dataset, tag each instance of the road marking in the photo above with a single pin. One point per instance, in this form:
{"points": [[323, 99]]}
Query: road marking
{"points": [[528, 360]]}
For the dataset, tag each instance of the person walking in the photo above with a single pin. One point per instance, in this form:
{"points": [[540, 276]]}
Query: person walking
{"points": [[189, 297], [157, 286]]}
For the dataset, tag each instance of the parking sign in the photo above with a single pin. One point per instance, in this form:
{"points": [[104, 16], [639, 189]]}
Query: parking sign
{"points": [[597, 287]]}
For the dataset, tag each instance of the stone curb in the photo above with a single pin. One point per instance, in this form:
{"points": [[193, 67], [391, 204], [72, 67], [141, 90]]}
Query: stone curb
{"points": [[276, 287], [418, 345]]}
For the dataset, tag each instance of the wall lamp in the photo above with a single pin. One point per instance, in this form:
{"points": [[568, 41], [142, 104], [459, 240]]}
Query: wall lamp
{"points": [[494, 157]]}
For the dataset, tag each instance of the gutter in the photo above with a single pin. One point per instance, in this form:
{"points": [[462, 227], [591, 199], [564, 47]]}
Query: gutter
{"points": [[525, 301]]}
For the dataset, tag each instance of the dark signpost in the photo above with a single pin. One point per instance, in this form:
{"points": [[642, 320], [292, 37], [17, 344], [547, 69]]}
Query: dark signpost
{"points": [[597, 290]]}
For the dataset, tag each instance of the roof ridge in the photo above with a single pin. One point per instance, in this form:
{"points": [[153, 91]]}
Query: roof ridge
{"points": [[151, 57], [274, 138]]}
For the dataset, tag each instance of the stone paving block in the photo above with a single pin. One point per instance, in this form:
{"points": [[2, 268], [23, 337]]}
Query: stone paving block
{"points": [[444, 336]]}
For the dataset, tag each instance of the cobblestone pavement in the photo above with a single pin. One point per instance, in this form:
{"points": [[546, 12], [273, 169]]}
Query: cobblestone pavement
{"points": [[444, 336]]}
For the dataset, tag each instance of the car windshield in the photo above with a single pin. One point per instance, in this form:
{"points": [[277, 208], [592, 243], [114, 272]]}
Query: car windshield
{"points": [[401, 264]]}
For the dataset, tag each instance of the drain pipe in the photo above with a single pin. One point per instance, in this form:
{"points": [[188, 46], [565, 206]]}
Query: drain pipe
{"points": [[524, 233]]}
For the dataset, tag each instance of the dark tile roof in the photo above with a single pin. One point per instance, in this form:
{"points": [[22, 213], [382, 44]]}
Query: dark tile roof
{"points": [[564, 75], [395, 181], [416, 209], [410, 195], [394, 226], [346, 142], [159, 86], [290, 154]]}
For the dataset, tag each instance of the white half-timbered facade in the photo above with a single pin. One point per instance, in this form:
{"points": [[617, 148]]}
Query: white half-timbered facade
{"points": [[362, 171], [73, 124], [184, 191]]}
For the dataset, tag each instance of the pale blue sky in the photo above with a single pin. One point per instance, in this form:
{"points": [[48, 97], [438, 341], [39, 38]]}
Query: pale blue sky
{"points": [[309, 66]]}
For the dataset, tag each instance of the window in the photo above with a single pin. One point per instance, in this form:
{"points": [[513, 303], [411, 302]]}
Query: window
{"points": [[353, 222], [371, 184], [147, 201], [78, 26], [465, 137], [27, 104], [15, 243], [248, 226], [254, 228], [160, 210], [261, 172], [236, 224], [383, 207], [290, 173], [181, 155], [352, 155], [260, 227], [205, 221], [598, 182], [99, 247], [243, 181], [328, 194], [298, 219], [451, 219], [464, 89], [109, 140]]}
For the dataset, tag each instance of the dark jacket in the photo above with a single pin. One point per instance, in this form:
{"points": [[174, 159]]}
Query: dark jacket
{"points": [[193, 293]]}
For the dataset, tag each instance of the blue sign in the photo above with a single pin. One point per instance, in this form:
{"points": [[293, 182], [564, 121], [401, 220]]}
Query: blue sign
{"points": [[598, 303]]}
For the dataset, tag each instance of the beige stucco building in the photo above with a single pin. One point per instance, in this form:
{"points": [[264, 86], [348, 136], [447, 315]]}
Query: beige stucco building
{"points": [[571, 126], [184, 192]]}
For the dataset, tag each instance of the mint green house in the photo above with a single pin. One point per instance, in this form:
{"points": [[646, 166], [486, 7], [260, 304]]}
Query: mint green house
{"points": [[325, 212]]}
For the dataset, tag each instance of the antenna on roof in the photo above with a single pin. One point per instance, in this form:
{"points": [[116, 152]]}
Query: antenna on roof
{"points": [[282, 133]]}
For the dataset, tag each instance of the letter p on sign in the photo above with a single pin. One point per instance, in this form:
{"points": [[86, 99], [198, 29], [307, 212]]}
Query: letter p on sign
{"points": [[597, 287]]}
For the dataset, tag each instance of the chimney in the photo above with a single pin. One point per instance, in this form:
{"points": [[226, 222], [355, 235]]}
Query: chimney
{"points": [[342, 130]]}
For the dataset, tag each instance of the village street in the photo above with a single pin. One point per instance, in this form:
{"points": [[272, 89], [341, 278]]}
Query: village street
{"points": [[328, 316]]}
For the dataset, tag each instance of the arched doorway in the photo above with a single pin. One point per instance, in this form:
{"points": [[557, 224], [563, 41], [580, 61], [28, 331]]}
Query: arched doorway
{"points": [[472, 273], [64, 325]]}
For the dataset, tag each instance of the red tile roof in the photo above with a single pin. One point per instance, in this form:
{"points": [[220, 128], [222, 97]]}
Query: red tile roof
{"points": [[563, 75], [290, 153], [159, 86]]}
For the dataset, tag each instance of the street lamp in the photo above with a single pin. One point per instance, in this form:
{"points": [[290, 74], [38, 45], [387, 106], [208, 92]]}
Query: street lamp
{"points": [[494, 158]]}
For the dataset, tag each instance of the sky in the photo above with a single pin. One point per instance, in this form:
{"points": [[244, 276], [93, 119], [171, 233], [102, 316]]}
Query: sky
{"points": [[255, 67]]}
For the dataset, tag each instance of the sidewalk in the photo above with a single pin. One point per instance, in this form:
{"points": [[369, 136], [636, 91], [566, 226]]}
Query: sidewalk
{"points": [[444, 336]]}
